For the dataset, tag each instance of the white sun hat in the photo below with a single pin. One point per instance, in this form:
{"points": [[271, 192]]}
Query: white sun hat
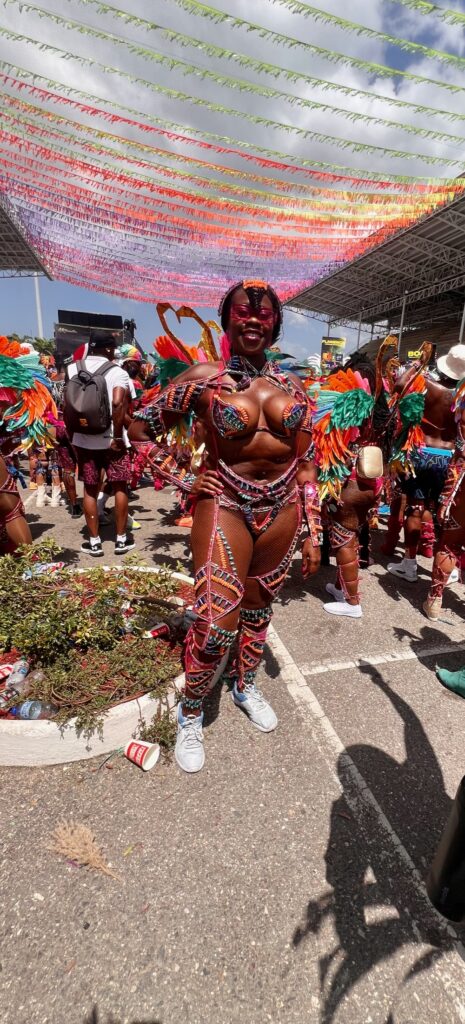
{"points": [[453, 363]]}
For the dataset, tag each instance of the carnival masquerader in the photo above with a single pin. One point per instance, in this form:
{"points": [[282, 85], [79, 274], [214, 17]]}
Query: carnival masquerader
{"points": [[25, 402], [248, 511], [350, 423], [451, 515], [429, 462], [65, 454]]}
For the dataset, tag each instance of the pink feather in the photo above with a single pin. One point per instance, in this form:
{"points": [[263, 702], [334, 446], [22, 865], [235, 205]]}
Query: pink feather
{"points": [[225, 347]]}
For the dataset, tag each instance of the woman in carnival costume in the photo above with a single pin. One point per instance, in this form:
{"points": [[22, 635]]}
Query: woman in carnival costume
{"points": [[352, 415], [451, 515], [248, 508], [425, 478], [25, 401]]}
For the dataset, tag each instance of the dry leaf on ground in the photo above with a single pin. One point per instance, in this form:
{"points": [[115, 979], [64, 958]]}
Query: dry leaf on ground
{"points": [[76, 842]]}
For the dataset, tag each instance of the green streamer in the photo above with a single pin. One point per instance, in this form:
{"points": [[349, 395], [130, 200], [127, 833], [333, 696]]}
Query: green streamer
{"points": [[242, 85], [340, 171], [299, 7], [221, 17], [276, 71], [451, 17], [210, 49]]}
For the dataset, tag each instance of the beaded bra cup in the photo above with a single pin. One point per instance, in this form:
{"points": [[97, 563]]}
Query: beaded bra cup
{"points": [[232, 420]]}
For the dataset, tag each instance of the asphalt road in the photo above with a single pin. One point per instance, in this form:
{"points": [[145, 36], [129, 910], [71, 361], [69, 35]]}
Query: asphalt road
{"points": [[284, 882]]}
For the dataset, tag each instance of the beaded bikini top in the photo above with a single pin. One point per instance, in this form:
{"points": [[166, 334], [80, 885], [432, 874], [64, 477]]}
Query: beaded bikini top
{"points": [[232, 420]]}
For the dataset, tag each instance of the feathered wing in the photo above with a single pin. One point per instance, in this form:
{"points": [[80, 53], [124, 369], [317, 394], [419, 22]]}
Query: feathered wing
{"points": [[343, 403], [409, 436], [25, 386]]}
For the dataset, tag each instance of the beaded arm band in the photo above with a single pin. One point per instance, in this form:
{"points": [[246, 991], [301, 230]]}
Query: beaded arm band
{"points": [[178, 398], [311, 507]]}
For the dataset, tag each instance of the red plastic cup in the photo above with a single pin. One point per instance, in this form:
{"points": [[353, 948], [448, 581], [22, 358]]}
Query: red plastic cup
{"points": [[144, 755]]}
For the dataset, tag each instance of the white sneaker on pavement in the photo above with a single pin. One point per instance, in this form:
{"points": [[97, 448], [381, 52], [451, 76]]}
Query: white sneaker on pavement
{"points": [[354, 611], [252, 701], [405, 570], [454, 576], [189, 752], [334, 591]]}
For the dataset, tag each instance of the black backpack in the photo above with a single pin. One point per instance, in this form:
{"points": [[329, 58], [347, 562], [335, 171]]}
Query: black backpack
{"points": [[86, 404]]}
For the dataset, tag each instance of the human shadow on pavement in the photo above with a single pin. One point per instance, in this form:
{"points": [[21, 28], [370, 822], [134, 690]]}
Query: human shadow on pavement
{"points": [[95, 1018], [428, 636], [366, 873], [416, 593], [162, 544]]}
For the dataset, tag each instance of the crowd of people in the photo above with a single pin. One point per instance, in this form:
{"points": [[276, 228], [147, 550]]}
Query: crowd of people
{"points": [[260, 456]]}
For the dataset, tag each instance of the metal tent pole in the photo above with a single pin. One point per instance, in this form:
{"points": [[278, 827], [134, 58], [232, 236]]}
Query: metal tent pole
{"points": [[359, 330], [402, 318], [40, 326]]}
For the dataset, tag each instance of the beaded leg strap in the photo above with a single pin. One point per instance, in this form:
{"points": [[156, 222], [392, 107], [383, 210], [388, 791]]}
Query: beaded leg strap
{"points": [[204, 641], [441, 575], [341, 537], [311, 507], [251, 642]]}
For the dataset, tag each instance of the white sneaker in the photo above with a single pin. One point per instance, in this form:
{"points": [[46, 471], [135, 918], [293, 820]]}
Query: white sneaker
{"points": [[252, 701], [334, 591], [454, 576], [354, 611], [189, 752], [405, 570]]}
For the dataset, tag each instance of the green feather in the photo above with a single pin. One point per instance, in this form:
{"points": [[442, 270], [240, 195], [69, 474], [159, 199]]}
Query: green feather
{"points": [[171, 368], [350, 409], [411, 409], [14, 375]]}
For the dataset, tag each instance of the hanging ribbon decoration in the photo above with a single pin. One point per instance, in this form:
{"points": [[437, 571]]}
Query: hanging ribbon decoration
{"points": [[123, 201]]}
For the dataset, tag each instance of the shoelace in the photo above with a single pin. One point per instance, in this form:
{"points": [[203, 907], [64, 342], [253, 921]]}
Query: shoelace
{"points": [[253, 693], [192, 732]]}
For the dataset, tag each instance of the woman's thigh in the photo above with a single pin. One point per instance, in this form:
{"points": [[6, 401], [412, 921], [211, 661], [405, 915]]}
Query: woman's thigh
{"points": [[272, 556], [222, 549]]}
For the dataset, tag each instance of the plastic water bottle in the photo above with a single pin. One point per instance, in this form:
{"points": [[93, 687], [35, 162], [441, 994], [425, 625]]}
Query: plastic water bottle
{"points": [[18, 672], [34, 709]]}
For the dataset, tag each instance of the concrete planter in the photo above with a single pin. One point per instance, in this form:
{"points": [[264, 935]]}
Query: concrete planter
{"points": [[31, 744]]}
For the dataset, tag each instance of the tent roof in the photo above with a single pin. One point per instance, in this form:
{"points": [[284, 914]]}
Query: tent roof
{"points": [[427, 261], [17, 257]]}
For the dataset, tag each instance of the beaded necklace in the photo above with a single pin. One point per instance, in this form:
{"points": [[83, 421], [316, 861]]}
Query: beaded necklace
{"points": [[239, 367]]}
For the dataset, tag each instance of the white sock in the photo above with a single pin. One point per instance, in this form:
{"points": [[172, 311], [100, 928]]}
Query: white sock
{"points": [[121, 538], [94, 541], [410, 561]]}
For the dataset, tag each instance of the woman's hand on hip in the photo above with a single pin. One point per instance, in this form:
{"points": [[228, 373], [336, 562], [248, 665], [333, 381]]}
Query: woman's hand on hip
{"points": [[311, 558], [207, 484]]}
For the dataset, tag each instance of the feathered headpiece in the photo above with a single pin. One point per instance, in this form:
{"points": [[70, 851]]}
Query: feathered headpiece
{"points": [[25, 389]]}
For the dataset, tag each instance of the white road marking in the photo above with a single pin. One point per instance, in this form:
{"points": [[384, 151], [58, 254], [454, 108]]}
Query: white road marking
{"points": [[410, 654], [370, 817]]}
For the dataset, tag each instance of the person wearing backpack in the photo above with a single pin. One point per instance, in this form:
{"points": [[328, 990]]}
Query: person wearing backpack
{"points": [[96, 400]]}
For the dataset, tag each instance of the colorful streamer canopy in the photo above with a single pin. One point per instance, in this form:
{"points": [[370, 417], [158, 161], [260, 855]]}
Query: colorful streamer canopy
{"points": [[143, 159]]}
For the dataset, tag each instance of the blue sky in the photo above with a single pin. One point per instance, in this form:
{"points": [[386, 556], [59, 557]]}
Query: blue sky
{"points": [[301, 335]]}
